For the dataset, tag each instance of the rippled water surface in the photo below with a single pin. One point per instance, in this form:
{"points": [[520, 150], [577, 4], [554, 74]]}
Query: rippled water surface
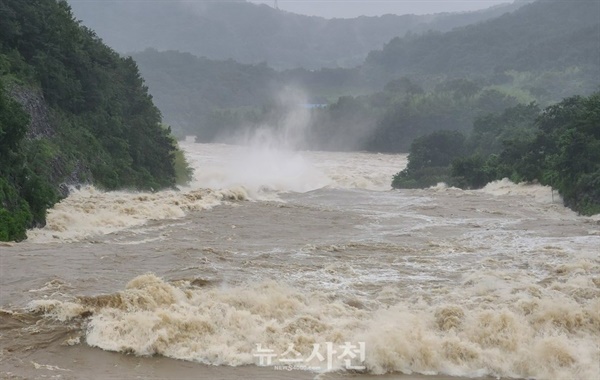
{"points": [[298, 250]]}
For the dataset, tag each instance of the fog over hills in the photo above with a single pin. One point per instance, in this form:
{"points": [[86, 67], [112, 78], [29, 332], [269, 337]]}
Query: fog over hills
{"points": [[545, 35], [254, 33], [522, 56], [357, 8]]}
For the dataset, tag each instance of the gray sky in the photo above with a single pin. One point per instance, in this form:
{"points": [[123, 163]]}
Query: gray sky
{"points": [[355, 8]]}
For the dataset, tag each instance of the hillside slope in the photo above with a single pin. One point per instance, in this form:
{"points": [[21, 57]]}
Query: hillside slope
{"points": [[543, 36], [71, 111]]}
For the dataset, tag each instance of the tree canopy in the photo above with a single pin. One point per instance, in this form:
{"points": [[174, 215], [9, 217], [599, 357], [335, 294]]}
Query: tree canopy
{"points": [[558, 146], [103, 127]]}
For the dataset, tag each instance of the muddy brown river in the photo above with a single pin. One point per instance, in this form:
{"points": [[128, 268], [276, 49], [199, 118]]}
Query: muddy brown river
{"points": [[303, 265]]}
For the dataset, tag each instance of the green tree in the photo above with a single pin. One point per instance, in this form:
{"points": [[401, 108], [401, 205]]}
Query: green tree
{"points": [[100, 124], [430, 158], [15, 214], [559, 147]]}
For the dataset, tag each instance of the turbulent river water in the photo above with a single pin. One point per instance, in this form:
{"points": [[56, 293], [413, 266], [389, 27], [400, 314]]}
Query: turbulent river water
{"points": [[277, 264]]}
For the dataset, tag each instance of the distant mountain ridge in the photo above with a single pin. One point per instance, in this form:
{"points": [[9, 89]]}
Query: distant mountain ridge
{"points": [[544, 35], [544, 51], [251, 33]]}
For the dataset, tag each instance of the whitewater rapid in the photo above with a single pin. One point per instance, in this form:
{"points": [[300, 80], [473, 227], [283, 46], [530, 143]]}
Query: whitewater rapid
{"points": [[278, 252]]}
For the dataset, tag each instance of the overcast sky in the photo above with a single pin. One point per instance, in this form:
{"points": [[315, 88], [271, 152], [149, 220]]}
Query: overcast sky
{"points": [[355, 8]]}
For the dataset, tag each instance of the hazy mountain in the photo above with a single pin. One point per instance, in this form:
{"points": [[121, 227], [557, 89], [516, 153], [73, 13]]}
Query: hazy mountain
{"points": [[187, 88], [541, 36], [544, 51], [252, 33]]}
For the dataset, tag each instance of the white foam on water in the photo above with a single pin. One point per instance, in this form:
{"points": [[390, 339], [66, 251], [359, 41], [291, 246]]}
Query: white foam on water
{"points": [[259, 170], [272, 167], [90, 212], [49, 367], [532, 332], [505, 187], [370, 171], [466, 289], [537, 192]]}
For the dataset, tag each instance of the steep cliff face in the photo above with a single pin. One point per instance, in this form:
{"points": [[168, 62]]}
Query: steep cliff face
{"points": [[63, 174], [33, 102]]}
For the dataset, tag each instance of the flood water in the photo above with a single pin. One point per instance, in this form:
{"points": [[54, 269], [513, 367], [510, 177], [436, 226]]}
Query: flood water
{"points": [[303, 265]]}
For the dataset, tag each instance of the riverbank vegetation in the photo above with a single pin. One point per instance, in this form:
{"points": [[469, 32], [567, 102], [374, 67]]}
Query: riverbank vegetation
{"points": [[71, 111], [558, 146]]}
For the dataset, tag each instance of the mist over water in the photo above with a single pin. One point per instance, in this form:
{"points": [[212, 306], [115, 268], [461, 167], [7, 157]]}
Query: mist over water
{"points": [[267, 157], [271, 159], [279, 247]]}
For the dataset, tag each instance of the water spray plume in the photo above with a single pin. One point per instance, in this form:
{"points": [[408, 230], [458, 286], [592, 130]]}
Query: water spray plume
{"points": [[268, 157]]}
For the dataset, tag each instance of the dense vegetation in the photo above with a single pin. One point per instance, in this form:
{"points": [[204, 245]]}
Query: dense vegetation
{"points": [[16, 207], [252, 33], [91, 118], [559, 147], [389, 120]]}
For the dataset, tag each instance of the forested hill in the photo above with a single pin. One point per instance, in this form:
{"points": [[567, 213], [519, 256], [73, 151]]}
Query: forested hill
{"points": [[541, 52], [71, 111], [543, 36], [187, 88], [251, 33]]}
